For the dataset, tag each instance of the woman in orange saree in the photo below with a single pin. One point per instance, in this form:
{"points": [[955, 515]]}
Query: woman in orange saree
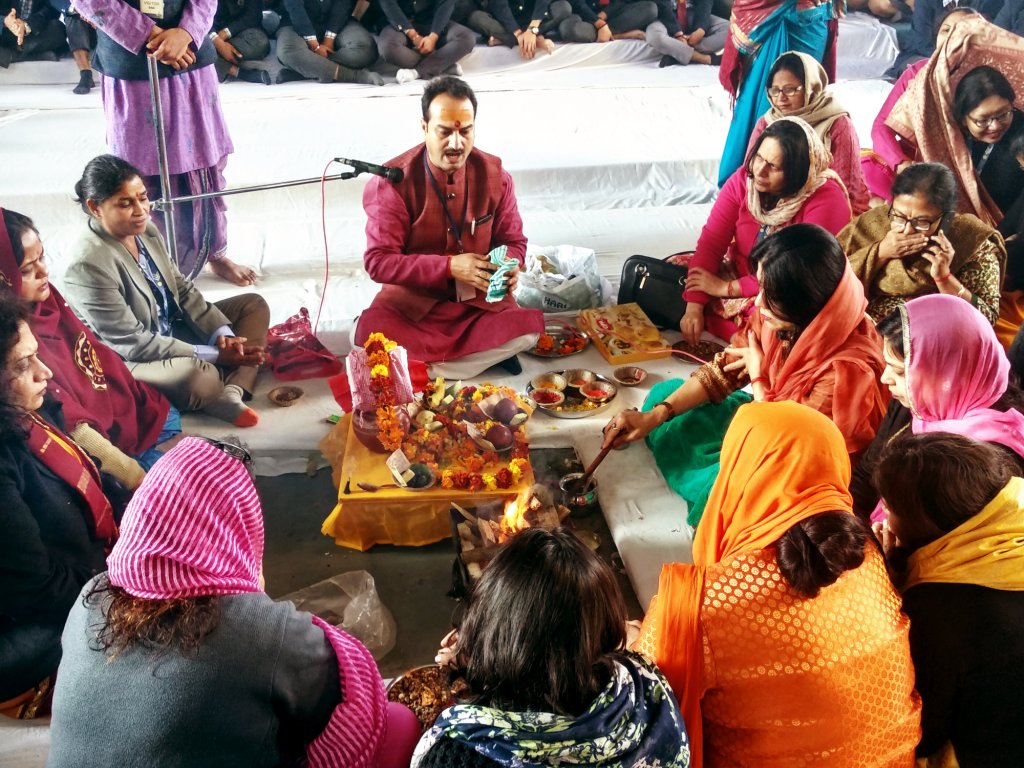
{"points": [[784, 640]]}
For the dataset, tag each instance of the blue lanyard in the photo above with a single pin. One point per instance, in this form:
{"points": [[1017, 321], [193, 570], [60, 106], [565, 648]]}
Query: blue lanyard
{"points": [[456, 229]]}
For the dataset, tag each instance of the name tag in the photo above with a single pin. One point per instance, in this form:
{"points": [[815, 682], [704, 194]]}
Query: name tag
{"points": [[152, 8]]}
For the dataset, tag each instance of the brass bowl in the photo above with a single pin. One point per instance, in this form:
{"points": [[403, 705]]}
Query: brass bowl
{"points": [[285, 397], [549, 380], [547, 398], [576, 378], [599, 391]]}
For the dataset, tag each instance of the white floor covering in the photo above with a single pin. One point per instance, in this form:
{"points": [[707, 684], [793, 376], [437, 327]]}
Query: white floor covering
{"points": [[607, 151]]}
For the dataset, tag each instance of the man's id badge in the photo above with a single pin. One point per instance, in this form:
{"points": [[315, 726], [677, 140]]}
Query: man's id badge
{"points": [[152, 8]]}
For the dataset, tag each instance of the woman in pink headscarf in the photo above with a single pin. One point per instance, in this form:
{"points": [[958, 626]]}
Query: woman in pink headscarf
{"points": [[204, 667], [947, 372]]}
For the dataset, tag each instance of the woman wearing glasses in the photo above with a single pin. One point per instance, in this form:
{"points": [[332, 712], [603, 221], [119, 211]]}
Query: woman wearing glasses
{"points": [[960, 114], [919, 245], [785, 180], [798, 87], [984, 109]]}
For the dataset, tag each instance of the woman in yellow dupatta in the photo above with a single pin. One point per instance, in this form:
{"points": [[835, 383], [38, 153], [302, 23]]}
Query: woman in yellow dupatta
{"points": [[956, 539], [784, 640]]}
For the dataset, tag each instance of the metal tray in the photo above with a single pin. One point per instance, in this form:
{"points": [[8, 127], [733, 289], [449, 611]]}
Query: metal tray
{"points": [[552, 410], [560, 332]]}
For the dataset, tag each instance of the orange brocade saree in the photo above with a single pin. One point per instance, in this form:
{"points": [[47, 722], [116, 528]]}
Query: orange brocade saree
{"points": [[763, 676]]}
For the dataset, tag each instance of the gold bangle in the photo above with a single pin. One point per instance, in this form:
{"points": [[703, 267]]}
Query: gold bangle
{"points": [[963, 292]]}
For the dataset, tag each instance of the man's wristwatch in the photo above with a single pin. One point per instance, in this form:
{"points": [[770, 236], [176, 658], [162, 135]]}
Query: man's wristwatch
{"points": [[535, 30]]}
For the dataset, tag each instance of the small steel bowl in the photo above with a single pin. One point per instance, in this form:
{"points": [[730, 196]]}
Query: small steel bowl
{"points": [[629, 375], [285, 397], [549, 380], [575, 498], [556, 397], [422, 470], [578, 377], [607, 391]]}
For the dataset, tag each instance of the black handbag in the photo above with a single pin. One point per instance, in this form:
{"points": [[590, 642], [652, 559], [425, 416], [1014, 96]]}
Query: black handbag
{"points": [[657, 286]]}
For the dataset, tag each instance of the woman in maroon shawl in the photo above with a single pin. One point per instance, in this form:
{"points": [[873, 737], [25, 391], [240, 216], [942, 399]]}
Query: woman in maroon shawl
{"points": [[115, 418], [55, 519]]}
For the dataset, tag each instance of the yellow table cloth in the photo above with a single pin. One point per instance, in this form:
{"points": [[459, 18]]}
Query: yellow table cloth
{"points": [[395, 515]]}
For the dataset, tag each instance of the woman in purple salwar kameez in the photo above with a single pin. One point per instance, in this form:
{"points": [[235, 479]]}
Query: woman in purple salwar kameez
{"points": [[197, 137]]}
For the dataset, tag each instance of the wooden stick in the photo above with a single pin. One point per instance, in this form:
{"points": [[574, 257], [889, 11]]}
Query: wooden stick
{"points": [[588, 475]]}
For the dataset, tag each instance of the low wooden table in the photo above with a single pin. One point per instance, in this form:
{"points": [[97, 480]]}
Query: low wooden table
{"points": [[395, 515]]}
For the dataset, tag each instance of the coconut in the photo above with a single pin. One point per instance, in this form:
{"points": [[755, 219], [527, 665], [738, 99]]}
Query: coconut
{"points": [[500, 436], [504, 410]]}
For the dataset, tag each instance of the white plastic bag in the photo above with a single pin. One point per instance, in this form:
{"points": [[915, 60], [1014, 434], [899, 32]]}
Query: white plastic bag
{"points": [[559, 278], [350, 601]]}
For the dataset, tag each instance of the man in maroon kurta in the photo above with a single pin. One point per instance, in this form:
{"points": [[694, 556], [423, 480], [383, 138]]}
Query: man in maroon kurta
{"points": [[427, 240]]}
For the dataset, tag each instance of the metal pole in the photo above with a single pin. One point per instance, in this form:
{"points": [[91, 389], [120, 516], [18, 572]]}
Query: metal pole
{"points": [[161, 204], [161, 148]]}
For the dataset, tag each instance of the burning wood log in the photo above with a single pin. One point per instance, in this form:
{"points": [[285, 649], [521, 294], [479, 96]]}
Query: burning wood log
{"points": [[479, 532]]}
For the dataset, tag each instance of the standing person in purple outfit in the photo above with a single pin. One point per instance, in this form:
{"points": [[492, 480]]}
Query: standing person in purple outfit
{"points": [[197, 137]]}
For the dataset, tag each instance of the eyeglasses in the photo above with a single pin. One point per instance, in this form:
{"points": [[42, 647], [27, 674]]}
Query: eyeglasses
{"points": [[920, 224], [232, 450], [789, 91], [991, 122]]}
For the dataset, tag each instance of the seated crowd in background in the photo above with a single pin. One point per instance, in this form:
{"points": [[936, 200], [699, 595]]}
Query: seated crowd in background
{"points": [[345, 41]]}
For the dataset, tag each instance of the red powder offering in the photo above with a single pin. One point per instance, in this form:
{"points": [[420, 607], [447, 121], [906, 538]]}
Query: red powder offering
{"points": [[546, 396], [597, 394]]}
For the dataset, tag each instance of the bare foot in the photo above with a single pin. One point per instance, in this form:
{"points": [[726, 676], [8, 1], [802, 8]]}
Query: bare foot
{"points": [[545, 45], [226, 269], [633, 34], [493, 41]]}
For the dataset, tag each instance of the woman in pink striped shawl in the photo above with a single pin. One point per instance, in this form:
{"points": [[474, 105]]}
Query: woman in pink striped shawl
{"points": [[176, 656]]}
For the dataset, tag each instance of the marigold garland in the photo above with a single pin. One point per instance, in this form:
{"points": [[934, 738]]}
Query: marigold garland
{"points": [[378, 356], [453, 454]]}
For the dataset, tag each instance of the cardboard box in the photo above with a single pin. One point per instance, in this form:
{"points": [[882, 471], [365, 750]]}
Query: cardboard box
{"points": [[623, 334]]}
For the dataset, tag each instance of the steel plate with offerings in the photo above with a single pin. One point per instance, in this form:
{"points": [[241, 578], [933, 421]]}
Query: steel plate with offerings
{"points": [[572, 393], [559, 340]]}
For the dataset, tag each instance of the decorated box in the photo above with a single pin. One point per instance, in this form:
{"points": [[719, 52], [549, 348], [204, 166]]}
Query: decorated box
{"points": [[623, 334]]}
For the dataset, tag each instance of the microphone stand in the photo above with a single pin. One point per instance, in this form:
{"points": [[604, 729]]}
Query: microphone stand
{"points": [[168, 201]]}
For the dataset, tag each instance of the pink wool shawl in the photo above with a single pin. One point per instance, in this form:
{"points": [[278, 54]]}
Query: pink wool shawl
{"points": [[956, 369], [195, 528]]}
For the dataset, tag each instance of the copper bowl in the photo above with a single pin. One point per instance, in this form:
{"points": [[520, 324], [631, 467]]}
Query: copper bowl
{"points": [[629, 375]]}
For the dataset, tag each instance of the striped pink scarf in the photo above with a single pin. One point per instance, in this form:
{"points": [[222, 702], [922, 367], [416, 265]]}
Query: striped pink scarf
{"points": [[195, 528]]}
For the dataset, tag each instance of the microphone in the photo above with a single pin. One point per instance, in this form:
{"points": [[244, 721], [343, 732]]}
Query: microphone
{"points": [[394, 175]]}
